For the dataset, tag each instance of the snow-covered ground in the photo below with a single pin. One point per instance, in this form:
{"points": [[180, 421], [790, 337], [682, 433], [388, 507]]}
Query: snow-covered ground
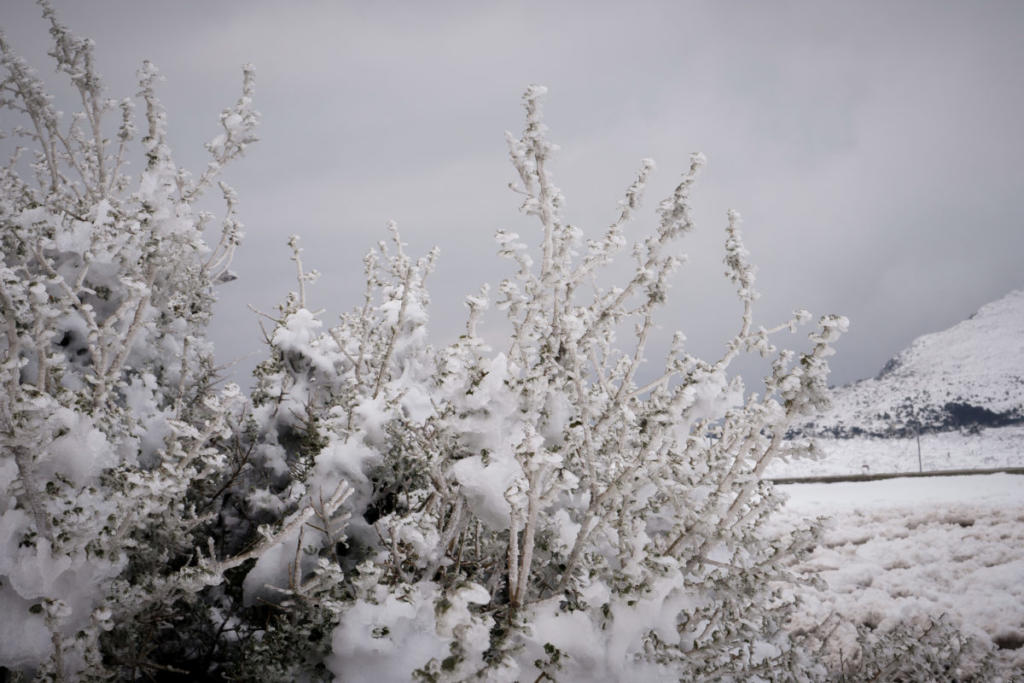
{"points": [[989, 448], [906, 549]]}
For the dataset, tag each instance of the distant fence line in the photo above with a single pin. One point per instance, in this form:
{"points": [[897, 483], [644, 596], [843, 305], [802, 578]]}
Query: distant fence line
{"points": [[835, 478]]}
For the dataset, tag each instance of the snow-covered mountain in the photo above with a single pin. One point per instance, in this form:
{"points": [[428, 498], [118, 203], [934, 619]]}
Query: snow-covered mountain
{"points": [[970, 375]]}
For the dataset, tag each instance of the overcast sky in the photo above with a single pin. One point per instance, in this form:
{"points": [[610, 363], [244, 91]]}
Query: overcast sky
{"points": [[873, 148]]}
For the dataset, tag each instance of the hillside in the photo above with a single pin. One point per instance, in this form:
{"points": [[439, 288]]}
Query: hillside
{"points": [[966, 377]]}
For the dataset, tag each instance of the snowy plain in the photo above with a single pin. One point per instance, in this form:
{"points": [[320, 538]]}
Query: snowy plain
{"points": [[952, 450], [906, 549]]}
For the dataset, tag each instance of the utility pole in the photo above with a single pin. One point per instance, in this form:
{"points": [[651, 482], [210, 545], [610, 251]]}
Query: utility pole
{"points": [[915, 422], [920, 467]]}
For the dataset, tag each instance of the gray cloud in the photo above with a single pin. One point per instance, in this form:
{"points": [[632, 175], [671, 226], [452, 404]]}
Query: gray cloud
{"points": [[872, 147]]}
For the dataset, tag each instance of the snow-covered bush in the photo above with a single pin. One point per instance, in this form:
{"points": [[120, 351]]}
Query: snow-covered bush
{"points": [[536, 510], [909, 647], [115, 445], [377, 509]]}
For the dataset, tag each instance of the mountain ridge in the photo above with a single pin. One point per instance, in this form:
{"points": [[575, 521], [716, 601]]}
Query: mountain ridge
{"points": [[968, 376]]}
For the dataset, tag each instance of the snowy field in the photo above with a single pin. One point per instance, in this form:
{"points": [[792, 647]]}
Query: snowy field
{"points": [[920, 548], [989, 448]]}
